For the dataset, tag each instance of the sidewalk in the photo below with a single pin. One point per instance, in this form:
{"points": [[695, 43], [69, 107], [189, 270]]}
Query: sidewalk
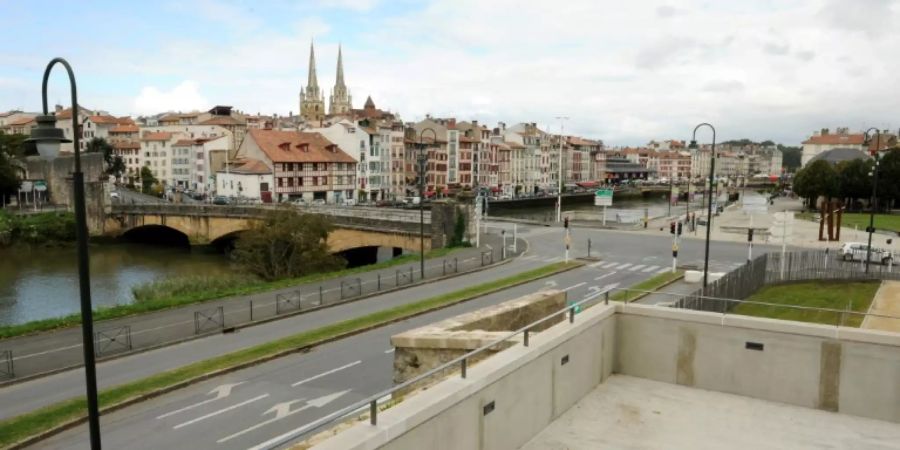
{"points": [[731, 225], [56, 350], [885, 303]]}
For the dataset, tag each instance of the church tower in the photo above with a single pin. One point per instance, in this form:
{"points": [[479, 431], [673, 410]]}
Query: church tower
{"points": [[312, 102], [340, 101]]}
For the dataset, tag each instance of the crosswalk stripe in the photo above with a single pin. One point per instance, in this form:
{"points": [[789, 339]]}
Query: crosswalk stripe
{"points": [[623, 266], [608, 265], [650, 269], [596, 264], [637, 267]]}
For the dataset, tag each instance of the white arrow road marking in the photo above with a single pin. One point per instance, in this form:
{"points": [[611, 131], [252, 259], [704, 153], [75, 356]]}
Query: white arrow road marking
{"points": [[549, 285], [220, 391], [601, 291], [283, 410], [346, 366], [574, 286], [221, 411], [606, 275]]}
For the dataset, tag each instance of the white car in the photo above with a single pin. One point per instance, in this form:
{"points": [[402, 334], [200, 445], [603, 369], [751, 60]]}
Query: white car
{"points": [[114, 195], [855, 251]]}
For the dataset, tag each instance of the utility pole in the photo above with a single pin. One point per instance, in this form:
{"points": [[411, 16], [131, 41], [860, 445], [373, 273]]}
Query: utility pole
{"points": [[559, 163]]}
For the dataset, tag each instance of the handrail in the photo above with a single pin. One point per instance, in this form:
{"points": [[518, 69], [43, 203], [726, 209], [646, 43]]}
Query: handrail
{"points": [[372, 400], [754, 302]]}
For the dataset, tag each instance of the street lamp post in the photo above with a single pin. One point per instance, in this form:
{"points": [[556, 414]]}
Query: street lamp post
{"points": [[422, 160], [47, 139], [712, 174], [560, 167], [874, 203]]}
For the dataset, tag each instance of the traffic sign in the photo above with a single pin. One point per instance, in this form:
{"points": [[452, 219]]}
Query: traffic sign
{"points": [[40, 185], [603, 197]]}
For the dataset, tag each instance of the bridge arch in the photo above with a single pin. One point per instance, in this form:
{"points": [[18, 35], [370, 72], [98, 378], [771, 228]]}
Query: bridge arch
{"points": [[342, 239]]}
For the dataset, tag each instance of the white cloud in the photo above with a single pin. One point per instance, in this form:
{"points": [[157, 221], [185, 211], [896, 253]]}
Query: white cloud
{"points": [[183, 97], [354, 5]]}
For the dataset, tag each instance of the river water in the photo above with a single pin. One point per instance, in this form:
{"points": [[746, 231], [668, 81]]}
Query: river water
{"points": [[40, 283]]}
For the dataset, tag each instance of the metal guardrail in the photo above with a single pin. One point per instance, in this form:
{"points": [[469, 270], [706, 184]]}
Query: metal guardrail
{"points": [[727, 303], [461, 362], [209, 319], [113, 340]]}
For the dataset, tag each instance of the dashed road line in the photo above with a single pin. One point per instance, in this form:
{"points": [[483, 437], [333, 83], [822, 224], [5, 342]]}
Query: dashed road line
{"points": [[323, 374]]}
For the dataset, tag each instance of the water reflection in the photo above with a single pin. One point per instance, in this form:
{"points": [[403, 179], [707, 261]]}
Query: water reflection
{"points": [[39, 283]]}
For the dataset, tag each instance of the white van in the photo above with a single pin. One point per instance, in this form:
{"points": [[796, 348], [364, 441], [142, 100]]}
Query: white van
{"points": [[856, 251]]}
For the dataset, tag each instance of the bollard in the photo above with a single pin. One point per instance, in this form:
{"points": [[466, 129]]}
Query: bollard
{"points": [[320, 294], [379, 281], [606, 298], [462, 368], [572, 315], [526, 338], [373, 412], [589, 247]]}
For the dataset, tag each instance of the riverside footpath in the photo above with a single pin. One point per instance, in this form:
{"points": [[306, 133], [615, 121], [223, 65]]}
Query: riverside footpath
{"points": [[45, 353]]}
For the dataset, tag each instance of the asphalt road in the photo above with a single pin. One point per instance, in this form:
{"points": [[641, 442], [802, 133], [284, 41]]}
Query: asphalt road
{"points": [[255, 405]]}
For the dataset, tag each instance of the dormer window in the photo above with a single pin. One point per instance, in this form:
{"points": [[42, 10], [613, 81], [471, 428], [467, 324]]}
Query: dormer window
{"points": [[284, 146], [303, 146]]}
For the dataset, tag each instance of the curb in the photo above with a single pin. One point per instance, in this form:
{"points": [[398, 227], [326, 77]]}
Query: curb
{"points": [[644, 294], [242, 325], [161, 391]]}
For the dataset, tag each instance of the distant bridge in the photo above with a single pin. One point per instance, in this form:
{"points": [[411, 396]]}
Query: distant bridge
{"points": [[355, 227]]}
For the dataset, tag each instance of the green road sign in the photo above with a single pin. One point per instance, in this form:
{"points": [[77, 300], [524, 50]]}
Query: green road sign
{"points": [[603, 197]]}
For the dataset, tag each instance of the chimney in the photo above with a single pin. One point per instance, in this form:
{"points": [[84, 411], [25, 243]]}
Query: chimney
{"points": [[474, 124]]}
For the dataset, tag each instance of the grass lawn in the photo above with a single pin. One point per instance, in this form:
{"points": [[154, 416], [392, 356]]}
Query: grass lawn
{"points": [[855, 295], [861, 220], [650, 284], [21, 427]]}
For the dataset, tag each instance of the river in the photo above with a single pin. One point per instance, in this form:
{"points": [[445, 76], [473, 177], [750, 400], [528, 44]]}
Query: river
{"points": [[40, 283]]}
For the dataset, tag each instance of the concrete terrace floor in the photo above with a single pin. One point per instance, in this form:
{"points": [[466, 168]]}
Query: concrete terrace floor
{"points": [[636, 413]]}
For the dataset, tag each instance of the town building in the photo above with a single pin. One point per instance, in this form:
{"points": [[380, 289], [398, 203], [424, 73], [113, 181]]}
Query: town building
{"points": [[125, 140], [340, 102], [246, 179], [197, 160], [304, 165], [357, 141], [312, 101], [17, 122], [156, 149], [824, 140]]}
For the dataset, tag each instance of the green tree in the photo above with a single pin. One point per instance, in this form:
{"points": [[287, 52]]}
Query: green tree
{"points": [[9, 178], [790, 157], [889, 178], [14, 145], [287, 244], [854, 179], [116, 168], [147, 179], [100, 145], [819, 178]]}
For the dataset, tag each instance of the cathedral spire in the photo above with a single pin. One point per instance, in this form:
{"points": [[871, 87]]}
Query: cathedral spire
{"points": [[340, 69], [312, 82]]}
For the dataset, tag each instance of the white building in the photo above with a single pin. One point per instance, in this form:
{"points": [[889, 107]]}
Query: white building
{"points": [[824, 140], [194, 162], [156, 149], [357, 142], [245, 178]]}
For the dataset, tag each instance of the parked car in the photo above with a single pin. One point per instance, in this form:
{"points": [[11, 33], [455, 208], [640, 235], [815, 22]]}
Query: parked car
{"points": [[349, 202], [855, 251], [221, 200], [114, 195], [298, 202], [318, 202]]}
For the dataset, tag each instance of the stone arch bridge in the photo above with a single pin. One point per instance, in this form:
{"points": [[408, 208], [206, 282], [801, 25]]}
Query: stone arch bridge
{"points": [[355, 227]]}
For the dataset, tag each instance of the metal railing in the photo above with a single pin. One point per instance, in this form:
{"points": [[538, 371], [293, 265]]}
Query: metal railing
{"points": [[726, 305], [371, 403]]}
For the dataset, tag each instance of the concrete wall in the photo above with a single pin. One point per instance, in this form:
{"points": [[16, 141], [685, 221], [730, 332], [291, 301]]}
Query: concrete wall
{"points": [[58, 174], [528, 387], [816, 366], [844, 370]]}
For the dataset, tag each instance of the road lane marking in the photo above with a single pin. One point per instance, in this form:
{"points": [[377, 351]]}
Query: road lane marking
{"points": [[338, 369], [390, 350], [221, 392], [221, 411], [608, 265], [283, 410], [650, 269], [606, 275], [637, 267], [574, 286], [623, 266]]}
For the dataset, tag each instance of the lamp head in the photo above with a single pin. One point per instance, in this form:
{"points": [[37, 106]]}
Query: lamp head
{"points": [[693, 145], [47, 137]]}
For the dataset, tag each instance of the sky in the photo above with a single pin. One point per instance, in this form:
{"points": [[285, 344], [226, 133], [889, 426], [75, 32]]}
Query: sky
{"points": [[625, 72]]}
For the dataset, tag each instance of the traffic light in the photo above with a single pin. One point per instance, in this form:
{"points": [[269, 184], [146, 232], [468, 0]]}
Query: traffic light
{"points": [[679, 228], [672, 228], [566, 222]]}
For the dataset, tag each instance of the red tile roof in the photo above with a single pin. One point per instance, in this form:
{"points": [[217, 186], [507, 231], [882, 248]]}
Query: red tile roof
{"points": [[288, 146], [222, 120], [160, 136], [124, 129], [20, 121], [249, 166], [123, 145], [836, 139]]}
